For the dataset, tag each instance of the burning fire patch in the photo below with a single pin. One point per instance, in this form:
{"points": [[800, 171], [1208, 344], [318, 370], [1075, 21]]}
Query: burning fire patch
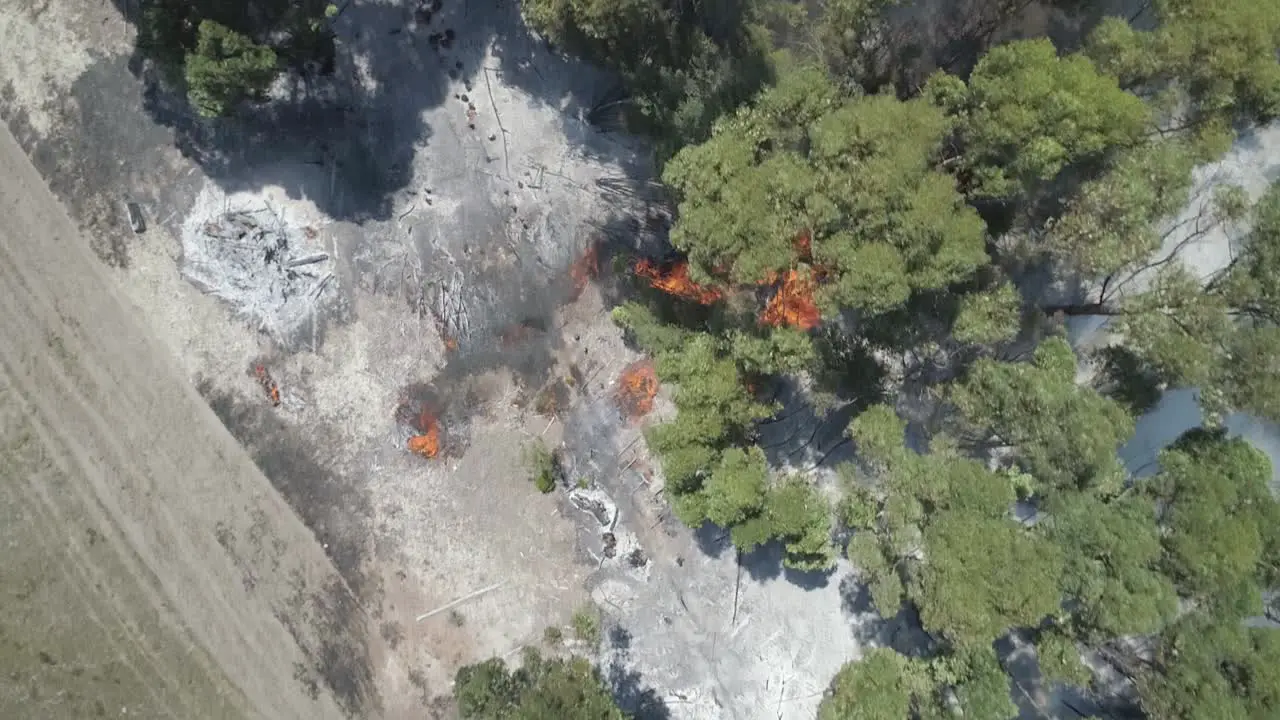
{"points": [[268, 384], [803, 246], [585, 269], [427, 442], [637, 386], [674, 280], [793, 304]]}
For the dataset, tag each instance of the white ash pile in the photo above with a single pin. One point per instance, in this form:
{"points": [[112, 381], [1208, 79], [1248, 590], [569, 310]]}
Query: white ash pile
{"points": [[618, 547], [274, 275]]}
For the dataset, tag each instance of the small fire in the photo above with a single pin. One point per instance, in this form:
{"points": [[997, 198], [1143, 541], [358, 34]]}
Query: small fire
{"points": [[675, 281], [792, 305], [803, 246], [637, 386], [427, 442], [268, 384], [584, 269]]}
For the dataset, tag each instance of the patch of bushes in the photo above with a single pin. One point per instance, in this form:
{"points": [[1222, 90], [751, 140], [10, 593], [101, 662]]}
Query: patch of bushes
{"points": [[543, 466], [586, 625]]}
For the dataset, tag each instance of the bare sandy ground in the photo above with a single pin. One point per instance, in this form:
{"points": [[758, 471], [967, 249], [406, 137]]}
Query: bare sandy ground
{"points": [[148, 566], [408, 197], [122, 589]]}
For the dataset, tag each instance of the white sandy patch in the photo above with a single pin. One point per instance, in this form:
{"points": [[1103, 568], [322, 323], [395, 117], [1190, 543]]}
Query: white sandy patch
{"points": [[42, 58]]}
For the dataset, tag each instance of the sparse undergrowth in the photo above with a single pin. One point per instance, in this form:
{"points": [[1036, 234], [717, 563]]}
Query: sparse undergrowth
{"points": [[540, 689], [586, 625], [552, 636], [542, 465]]}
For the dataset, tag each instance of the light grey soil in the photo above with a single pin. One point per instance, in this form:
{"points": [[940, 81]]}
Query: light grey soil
{"points": [[147, 570]]}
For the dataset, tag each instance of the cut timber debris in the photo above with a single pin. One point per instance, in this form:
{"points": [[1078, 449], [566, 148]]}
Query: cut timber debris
{"points": [[269, 271], [459, 601]]}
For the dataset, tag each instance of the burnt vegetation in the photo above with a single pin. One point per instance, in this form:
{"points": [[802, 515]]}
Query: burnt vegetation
{"points": [[869, 197]]}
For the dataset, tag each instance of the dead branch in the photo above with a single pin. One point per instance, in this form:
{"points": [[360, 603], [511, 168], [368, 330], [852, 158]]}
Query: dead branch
{"points": [[320, 285], [461, 600], [818, 463], [308, 260], [506, 157], [737, 588]]}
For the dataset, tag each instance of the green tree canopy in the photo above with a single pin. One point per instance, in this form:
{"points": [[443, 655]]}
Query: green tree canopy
{"points": [[879, 433], [1210, 669], [943, 521], [978, 683], [1221, 53], [230, 52], [1059, 659], [982, 576], [797, 514], [1221, 536], [1217, 332], [713, 470], [988, 317], [854, 177], [715, 413], [1112, 564], [540, 689], [737, 486], [1110, 224], [225, 69], [1027, 113], [1065, 435], [883, 685], [683, 65]]}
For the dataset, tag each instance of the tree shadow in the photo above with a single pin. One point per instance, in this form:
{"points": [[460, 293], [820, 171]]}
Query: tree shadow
{"points": [[712, 540], [925, 36], [640, 701], [347, 140], [903, 632], [806, 432], [620, 639], [765, 563]]}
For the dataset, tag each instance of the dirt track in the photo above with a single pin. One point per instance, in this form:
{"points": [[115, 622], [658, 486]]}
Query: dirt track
{"points": [[124, 590]]}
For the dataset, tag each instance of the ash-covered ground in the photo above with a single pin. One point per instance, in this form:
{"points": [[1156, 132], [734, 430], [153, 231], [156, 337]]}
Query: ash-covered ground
{"points": [[453, 190], [420, 230]]}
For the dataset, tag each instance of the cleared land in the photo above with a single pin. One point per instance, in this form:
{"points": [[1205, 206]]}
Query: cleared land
{"points": [[121, 495]]}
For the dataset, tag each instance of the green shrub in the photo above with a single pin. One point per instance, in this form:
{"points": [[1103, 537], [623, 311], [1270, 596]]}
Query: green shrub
{"points": [[552, 635], [542, 465], [586, 625], [225, 69]]}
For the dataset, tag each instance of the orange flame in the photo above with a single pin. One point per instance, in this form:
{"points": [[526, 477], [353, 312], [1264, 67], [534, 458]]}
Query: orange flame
{"points": [[637, 386], [792, 305], [268, 384], [584, 269], [803, 246], [675, 281], [427, 443]]}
